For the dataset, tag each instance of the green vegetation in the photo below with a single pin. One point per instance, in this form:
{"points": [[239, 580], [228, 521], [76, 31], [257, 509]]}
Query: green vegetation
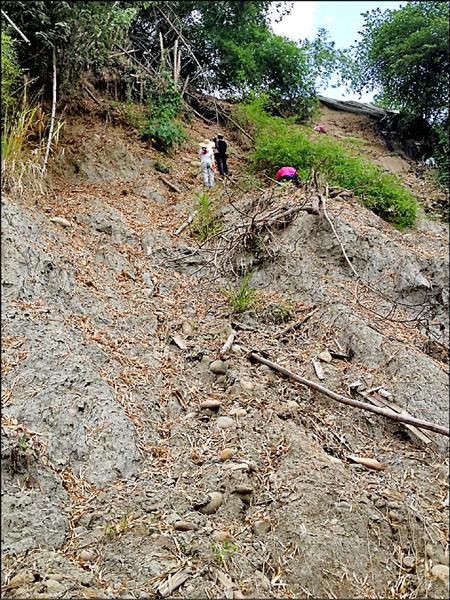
{"points": [[405, 53], [238, 51], [11, 73], [223, 552], [206, 222], [279, 142], [242, 298], [19, 164], [131, 113], [161, 167], [281, 313], [163, 129], [112, 529], [83, 34]]}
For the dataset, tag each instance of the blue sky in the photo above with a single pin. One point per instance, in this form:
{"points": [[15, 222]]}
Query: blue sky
{"points": [[342, 20]]}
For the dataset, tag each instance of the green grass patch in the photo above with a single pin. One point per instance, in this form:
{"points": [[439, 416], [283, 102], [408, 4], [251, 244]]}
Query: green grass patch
{"points": [[206, 222], [243, 297], [280, 142]]}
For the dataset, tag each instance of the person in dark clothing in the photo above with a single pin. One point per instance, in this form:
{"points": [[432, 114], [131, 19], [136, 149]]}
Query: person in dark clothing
{"points": [[220, 154]]}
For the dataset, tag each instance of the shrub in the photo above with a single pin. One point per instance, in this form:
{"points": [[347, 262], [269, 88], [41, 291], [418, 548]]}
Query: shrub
{"points": [[161, 167], [10, 74], [163, 129], [242, 298], [280, 142], [206, 223]]}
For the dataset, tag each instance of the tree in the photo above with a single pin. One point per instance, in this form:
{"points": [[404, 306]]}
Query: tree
{"points": [[10, 73], [232, 50], [405, 54], [82, 34]]}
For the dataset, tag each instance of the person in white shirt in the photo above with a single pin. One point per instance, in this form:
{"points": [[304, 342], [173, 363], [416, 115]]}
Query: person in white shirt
{"points": [[207, 165]]}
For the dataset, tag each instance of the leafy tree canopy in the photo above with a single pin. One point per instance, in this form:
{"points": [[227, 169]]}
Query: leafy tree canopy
{"points": [[81, 32], [405, 54], [233, 50]]}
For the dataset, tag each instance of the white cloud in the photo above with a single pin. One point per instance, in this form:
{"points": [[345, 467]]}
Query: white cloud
{"points": [[300, 23]]}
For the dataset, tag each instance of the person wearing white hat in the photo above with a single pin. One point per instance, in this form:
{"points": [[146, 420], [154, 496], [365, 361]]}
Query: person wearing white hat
{"points": [[207, 162]]}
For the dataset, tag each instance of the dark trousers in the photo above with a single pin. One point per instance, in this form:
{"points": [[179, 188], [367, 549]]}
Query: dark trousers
{"points": [[221, 162]]}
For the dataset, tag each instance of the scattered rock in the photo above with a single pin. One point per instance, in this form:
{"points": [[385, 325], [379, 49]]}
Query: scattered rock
{"points": [[184, 526], [212, 505], [211, 404], [246, 385], [409, 562], [225, 422], [325, 356], [236, 350], [61, 221], [261, 526], [220, 535], [227, 453], [238, 412], [187, 328], [440, 572], [86, 555], [218, 367]]}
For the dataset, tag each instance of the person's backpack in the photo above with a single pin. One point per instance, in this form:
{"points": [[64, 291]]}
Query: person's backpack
{"points": [[221, 146]]}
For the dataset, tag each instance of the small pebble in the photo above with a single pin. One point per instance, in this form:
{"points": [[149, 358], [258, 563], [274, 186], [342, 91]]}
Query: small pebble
{"points": [[186, 328], [395, 516], [441, 572], [221, 536], [227, 453], [325, 356], [408, 562], [184, 526], [86, 555], [61, 221], [213, 505], [260, 527], [54, 587], [218, 367], [246, 385], [244, 488], [211, 404], [235, 349], [225, 422], [238, 412]]}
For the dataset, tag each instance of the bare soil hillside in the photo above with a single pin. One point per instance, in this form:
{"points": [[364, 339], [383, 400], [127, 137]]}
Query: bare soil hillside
{"points": [[139, 459]]}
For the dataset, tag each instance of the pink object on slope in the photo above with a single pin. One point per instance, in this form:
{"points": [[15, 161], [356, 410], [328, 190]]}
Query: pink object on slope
{"points": [[285, 172]]}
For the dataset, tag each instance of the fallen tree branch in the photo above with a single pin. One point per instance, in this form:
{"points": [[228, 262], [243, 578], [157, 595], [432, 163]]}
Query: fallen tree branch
{"points": [[170, 184], [228, 343], [186, 223], [92, 95], [296, 324], [390, 414], [15, 27]]}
